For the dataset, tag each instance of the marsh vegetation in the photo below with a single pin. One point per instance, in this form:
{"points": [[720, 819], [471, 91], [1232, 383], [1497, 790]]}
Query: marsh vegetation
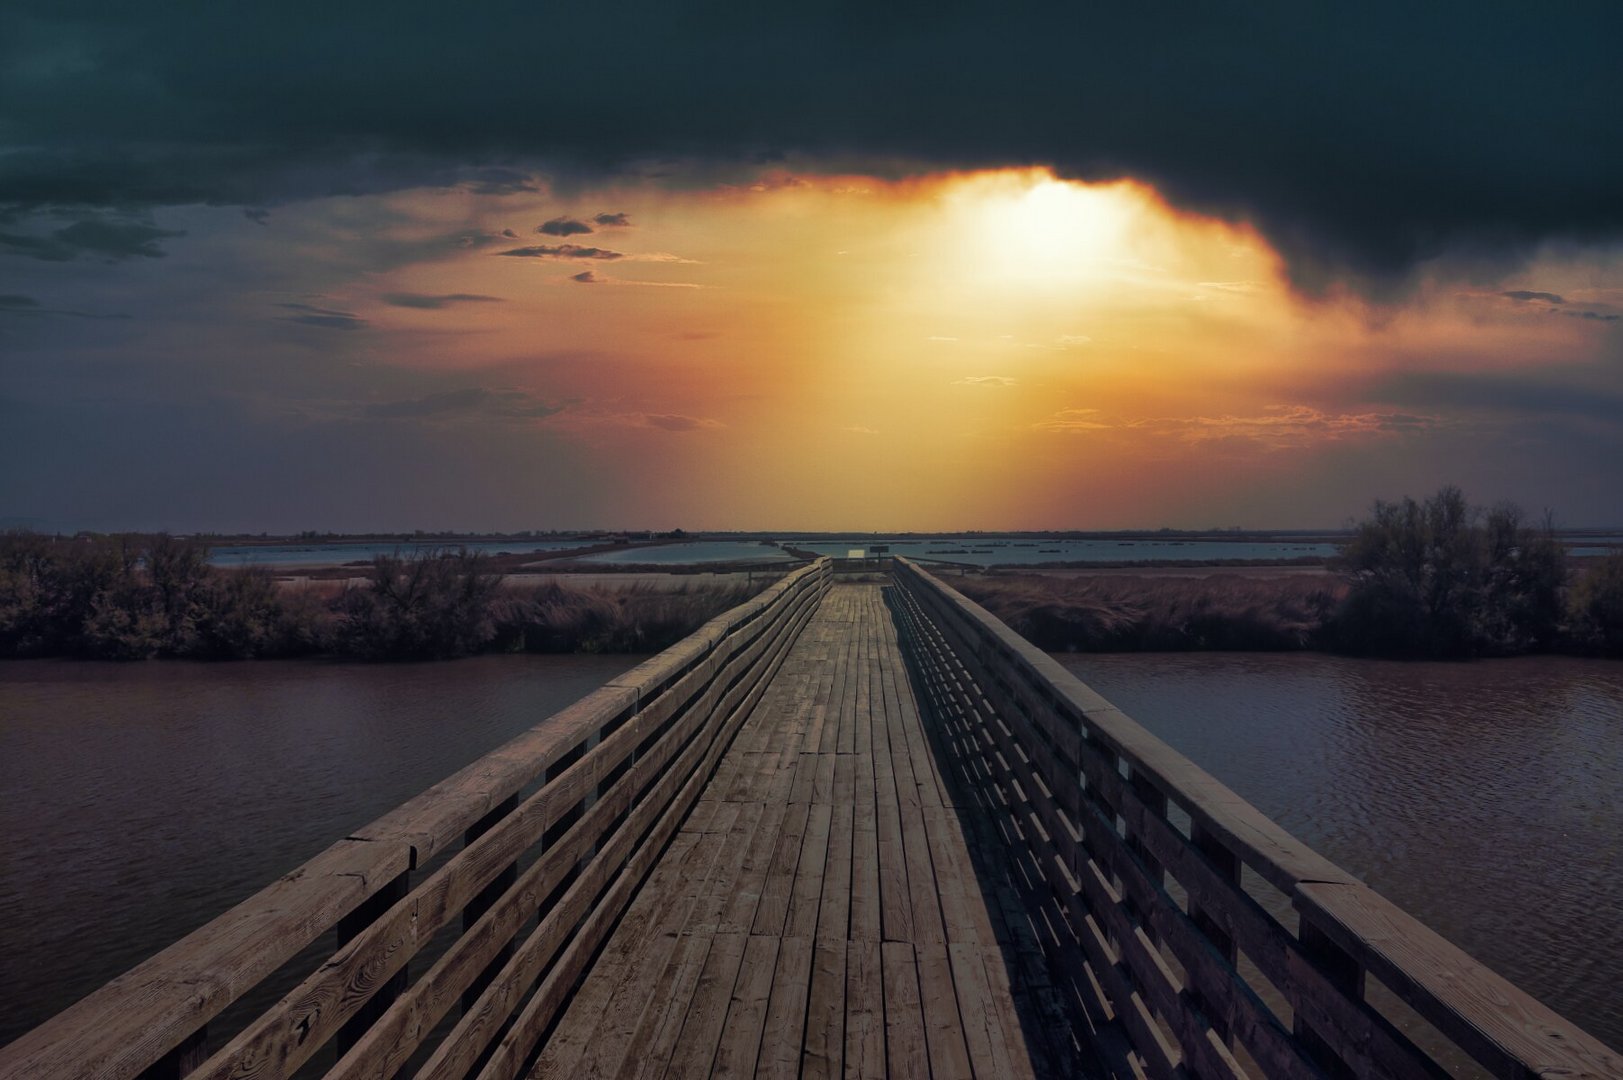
{"points": [[135, 597]]}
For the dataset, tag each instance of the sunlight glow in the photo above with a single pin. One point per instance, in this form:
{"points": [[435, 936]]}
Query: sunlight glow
{"points": [[1033, 228]]}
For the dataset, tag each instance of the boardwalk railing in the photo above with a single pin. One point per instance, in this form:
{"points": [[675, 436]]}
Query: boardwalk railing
{"points": [[584, 802], [1159, 875]]}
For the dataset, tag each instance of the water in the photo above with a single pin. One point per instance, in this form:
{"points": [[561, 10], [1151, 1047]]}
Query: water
{"points": [[279, 555], [139, 801], [701, 551], [989, 551], [1484, 798]]}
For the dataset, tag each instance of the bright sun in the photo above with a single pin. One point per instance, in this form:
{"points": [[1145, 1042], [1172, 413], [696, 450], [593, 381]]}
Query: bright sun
{"points": [[1029, 228]]}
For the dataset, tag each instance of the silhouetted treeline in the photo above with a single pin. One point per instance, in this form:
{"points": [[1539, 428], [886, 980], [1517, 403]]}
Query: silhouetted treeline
{"points": [[134, 597]]}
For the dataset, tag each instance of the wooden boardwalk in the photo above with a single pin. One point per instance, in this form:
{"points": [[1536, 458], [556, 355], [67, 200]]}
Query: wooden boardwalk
{"points": [[776, 849], [819, 913]]}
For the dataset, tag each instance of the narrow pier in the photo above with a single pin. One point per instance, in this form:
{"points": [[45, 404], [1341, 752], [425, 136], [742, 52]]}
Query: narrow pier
{"points": [[853, 827]]}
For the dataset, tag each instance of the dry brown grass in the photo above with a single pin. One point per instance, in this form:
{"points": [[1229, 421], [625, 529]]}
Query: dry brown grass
{"points": [[1121, 613]]}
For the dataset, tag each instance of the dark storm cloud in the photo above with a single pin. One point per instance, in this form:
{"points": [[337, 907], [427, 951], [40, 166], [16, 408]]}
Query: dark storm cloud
{"points": [[562, 251], [17, 304], [1362, 139], [110, 239], [428, 302], [325, 318], [1526, 295], [613, 221], [473, 401], [563, 226], [256, 214], [498, 181]]}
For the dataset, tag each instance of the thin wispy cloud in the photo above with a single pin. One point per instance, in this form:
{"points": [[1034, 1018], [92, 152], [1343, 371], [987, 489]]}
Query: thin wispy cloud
{"points": [[472, 402], [324, 318], [562, 251], [592, 277], [436, 301]]}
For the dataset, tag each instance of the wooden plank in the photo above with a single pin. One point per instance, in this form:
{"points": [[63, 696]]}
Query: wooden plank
{"points": [[746, 1014], [781, 1037], [866, 918], [905, 1051], [807, 893], [925, 893], [695, 1050], [824, 1047], [741, 906], [864, 1010], [772, 912], [943, 1028], [711, 906]]}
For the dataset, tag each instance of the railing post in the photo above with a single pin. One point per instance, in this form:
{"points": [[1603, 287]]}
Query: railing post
{"points": [[1155, 802], [1227, 865], [1346, 974], [181, 1060], [487, 897], [351, 925]]}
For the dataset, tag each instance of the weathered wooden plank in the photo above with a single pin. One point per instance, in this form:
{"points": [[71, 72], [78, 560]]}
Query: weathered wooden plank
{"points": [[905, 1051], [746, 1014], [823, 1054], [864, 1010], [943, 1028], [781, 1037], [806, 896], [772, 912], [702, 1027]]}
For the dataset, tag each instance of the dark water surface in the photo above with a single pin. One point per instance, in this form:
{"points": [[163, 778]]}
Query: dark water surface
{"points": [[1485, 798], [139, 801]]}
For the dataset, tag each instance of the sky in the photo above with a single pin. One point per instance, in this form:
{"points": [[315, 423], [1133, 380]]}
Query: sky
{"points": [[848, 266]]}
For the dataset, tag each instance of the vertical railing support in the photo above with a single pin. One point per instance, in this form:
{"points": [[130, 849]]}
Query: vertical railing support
{"points": [[487, 897], [351, 925], [1227, 865], [180, 1061], [1346, 974]]}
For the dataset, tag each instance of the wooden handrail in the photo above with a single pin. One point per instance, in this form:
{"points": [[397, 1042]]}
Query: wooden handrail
{"points": [[1103, 789], [593, 792]]}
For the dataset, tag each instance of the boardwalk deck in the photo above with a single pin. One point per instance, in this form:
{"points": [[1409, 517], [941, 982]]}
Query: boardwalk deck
{"points": [[818, 914]]}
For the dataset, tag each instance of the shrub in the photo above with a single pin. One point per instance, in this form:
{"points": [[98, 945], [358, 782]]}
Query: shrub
{"points": [[1440, 578], [432, 607], [1597, 606]]}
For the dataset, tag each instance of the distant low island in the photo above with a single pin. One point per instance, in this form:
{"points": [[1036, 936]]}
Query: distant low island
{"points": [[1436, 578]]}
